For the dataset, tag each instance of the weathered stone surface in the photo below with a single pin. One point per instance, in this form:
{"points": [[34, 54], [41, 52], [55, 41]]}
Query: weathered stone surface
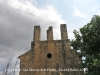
{"points": [[50, 57]]}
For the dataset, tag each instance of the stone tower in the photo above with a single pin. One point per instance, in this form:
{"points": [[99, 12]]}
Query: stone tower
{"points": [[50, 57]]}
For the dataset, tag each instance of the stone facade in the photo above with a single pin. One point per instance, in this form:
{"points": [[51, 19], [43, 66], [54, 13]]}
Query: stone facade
{"points": [[50, 57]]}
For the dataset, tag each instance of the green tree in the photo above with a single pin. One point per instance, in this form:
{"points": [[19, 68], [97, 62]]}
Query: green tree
{"points": [[87, 39]]}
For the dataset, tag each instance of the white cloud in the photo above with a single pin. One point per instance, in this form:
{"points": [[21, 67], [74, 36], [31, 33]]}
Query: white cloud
{"points": [[18, 16], [17, 19], [45, 15], [26, 8], [78, 13]]}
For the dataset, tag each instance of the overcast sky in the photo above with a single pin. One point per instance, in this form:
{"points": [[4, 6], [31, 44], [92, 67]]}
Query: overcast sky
{"points": [[18, 18]]}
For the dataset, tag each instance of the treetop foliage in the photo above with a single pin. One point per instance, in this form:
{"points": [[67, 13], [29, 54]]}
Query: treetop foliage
{"points": [[88, 41]]}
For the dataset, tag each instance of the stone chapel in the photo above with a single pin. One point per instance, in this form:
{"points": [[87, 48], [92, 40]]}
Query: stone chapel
{"points": [[50, 57]]}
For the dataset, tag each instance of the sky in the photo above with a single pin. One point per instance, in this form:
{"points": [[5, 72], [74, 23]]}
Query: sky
{"points": [[18, 18]]}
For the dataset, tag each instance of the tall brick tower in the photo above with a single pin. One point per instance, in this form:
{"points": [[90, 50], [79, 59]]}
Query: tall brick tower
{"points": [[50, 57]]}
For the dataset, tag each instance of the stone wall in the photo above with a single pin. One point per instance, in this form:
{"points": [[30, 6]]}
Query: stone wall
{"points": [[52, 57]]}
